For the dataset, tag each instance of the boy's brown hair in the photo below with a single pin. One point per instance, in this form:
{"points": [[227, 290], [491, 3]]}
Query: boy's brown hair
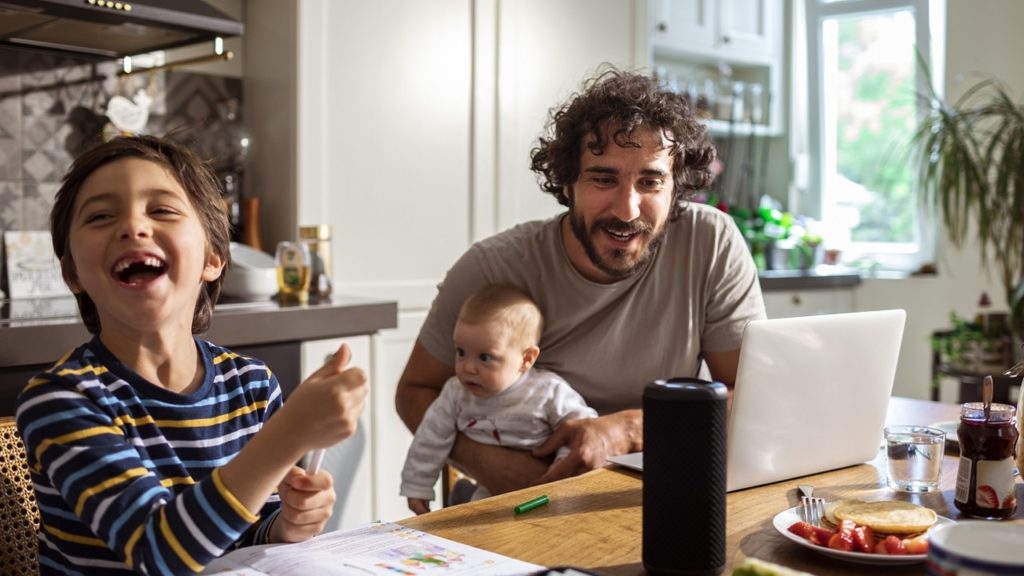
{"points": [[507, 305], [195, 177]]}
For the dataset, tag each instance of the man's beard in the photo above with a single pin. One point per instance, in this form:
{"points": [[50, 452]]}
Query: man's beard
{"points": [[618, 265]]}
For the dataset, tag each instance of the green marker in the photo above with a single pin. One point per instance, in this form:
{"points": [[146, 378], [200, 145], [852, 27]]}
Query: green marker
{"points": [[531, 504]]}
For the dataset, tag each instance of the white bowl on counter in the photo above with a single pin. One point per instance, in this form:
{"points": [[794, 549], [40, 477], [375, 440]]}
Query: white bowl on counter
{"points": [[252, 274]]}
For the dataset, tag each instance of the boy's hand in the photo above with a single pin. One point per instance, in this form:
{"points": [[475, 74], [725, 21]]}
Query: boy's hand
{"points": [[307, 502], [325, 408], [419, 505]]}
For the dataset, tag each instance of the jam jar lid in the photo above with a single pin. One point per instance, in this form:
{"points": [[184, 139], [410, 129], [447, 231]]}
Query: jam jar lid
{"points": [[975, 412]]}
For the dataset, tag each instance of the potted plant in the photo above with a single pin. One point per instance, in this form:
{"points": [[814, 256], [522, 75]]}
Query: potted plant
{"points": [[971, 170]]}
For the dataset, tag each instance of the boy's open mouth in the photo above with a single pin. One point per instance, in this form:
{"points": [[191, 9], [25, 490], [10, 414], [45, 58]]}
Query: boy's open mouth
{"points": [[138, 271]]}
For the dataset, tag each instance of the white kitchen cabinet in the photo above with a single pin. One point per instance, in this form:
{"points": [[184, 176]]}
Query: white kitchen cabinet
{"points": [[684, 23], [391, 437], [707, 45], [747, 31], [790, 303], [349, 462]]}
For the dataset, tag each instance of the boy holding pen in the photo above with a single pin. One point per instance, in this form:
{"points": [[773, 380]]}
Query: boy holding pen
{"points": [[151, 450], [496, 397]]}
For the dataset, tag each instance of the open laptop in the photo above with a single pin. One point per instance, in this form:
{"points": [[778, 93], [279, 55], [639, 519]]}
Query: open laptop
{"points": [[811, 395]]}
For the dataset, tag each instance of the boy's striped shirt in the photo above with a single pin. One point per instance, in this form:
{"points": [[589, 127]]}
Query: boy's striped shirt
{"points": [[125, 471]]}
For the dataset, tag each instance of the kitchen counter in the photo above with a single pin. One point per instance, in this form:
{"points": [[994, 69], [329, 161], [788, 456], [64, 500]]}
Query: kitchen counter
{"points": [[35, 333], [820, 277]]}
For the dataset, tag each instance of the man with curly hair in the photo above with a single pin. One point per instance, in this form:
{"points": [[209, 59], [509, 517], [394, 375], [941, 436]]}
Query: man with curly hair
{"points": [[636, 282]]}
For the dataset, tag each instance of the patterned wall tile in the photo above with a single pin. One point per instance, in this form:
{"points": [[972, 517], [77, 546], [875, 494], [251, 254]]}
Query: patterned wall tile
{"points": [[53, 107], [37, 200], [10, 159], [10, 205]]}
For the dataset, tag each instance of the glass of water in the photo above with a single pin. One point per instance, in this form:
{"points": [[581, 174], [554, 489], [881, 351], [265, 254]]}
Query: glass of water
{"points": [[914, 457]]}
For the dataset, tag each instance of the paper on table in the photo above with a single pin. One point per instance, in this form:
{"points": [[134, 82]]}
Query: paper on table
{"points": [[379, 548]]}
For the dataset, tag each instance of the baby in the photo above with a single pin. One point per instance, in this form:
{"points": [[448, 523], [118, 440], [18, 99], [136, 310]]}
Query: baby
{"points": [[496, 396]]}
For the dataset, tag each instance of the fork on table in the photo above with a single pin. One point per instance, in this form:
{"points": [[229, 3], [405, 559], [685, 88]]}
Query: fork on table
{"points": [[812, 508]]}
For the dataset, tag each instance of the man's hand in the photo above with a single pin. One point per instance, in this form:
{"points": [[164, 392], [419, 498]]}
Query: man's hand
{"points": [[591, 441], [419, 505], [307, 502]]}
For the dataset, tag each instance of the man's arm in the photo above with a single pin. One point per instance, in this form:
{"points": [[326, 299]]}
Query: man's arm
{"points": [[421, 383], [500, 469], [723, 367]]}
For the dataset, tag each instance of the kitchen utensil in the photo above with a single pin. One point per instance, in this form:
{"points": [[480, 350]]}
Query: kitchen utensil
{"points": [[812, 509], [987, 387]]}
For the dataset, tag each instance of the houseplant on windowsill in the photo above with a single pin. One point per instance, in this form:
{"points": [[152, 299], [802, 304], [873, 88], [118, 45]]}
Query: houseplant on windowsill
{"points": [[970, 168]]}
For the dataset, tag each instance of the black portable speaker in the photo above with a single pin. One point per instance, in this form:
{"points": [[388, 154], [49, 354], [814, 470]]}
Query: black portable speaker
{"points": [[684, 476]]}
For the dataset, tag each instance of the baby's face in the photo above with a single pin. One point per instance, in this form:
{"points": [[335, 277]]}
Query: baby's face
{"points": [[488, 359]]}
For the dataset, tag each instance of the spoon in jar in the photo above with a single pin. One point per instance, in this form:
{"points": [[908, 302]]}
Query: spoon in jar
{"points": [[986, 395], [1016, 370]]}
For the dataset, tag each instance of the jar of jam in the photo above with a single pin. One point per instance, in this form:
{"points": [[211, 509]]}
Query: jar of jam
{"points": [[988, 447]]}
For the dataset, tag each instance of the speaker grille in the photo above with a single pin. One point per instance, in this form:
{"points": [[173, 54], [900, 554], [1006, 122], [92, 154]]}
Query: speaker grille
{"points": [[684, 483]]}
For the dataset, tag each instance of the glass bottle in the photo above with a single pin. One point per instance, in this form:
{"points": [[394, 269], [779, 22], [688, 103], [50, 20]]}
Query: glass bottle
{"points": [[318, 241], [988, 447], [293, 272]]}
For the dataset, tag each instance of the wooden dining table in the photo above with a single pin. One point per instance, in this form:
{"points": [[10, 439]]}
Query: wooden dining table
{"points": [[593, 521]]}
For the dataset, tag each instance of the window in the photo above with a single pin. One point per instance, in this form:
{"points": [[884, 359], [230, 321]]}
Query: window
{"points": [[864, 81]]}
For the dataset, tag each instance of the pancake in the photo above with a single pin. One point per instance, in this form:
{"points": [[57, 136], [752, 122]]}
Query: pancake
{"points": [[886, 516]]}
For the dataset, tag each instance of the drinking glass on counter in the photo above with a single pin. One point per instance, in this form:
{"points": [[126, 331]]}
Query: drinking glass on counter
{"points": [[914, 457]]}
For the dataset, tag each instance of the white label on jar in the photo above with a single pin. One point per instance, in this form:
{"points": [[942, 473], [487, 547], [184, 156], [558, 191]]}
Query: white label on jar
{"points": [[963, 480], [994, 488]]}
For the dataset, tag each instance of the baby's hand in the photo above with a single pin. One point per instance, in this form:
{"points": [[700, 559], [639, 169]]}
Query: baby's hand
{"points": [[325, 408], [419, 505]]}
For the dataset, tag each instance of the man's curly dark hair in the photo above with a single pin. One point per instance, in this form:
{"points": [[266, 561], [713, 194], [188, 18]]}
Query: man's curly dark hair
{"points": [[625, 102]]}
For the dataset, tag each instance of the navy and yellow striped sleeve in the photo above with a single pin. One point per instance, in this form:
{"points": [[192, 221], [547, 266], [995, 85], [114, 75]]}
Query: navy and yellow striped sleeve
{"points": [[126, 472]]}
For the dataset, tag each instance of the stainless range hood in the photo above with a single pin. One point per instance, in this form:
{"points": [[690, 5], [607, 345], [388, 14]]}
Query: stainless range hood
{"points": [[110, 29]]}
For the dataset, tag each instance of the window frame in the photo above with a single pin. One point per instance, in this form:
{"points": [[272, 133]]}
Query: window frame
{"points": [[929, 23]]}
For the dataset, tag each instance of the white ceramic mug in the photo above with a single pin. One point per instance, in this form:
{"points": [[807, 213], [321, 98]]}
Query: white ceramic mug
{"points": [[975, 548]]}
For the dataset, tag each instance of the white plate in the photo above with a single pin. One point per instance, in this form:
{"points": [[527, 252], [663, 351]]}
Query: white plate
{"points": [[783, 520], [949, 427]]}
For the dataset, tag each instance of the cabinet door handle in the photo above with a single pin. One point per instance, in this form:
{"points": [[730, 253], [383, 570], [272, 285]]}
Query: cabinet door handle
{"points": [[662, 27], [796, 300], [726, 39]]}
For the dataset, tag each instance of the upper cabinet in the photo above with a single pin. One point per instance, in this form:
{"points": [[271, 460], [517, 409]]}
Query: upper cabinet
{"points": [[726, 54], [733, 30]]}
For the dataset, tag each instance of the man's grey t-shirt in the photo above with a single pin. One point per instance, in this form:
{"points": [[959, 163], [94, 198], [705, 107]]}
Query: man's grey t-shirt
{"points": [[608, 340]]}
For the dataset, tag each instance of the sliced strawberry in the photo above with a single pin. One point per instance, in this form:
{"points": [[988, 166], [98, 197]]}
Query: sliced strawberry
{"points": [[863, 539], [894, 545], [846, 527], [840, 541], [880, 548], [917, 545], [821, 535], [801, 529], [986, 497], [815, 534]]}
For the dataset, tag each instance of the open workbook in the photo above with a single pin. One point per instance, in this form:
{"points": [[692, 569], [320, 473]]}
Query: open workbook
{"points": [[378, 548]]}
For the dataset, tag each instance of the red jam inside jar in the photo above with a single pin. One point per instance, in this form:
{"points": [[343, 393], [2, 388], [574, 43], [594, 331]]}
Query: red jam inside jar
{"points": [[988, 447]]}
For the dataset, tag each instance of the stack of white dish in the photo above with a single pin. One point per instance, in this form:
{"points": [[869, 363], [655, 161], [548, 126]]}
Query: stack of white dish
{"points": [[252, 274]]}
